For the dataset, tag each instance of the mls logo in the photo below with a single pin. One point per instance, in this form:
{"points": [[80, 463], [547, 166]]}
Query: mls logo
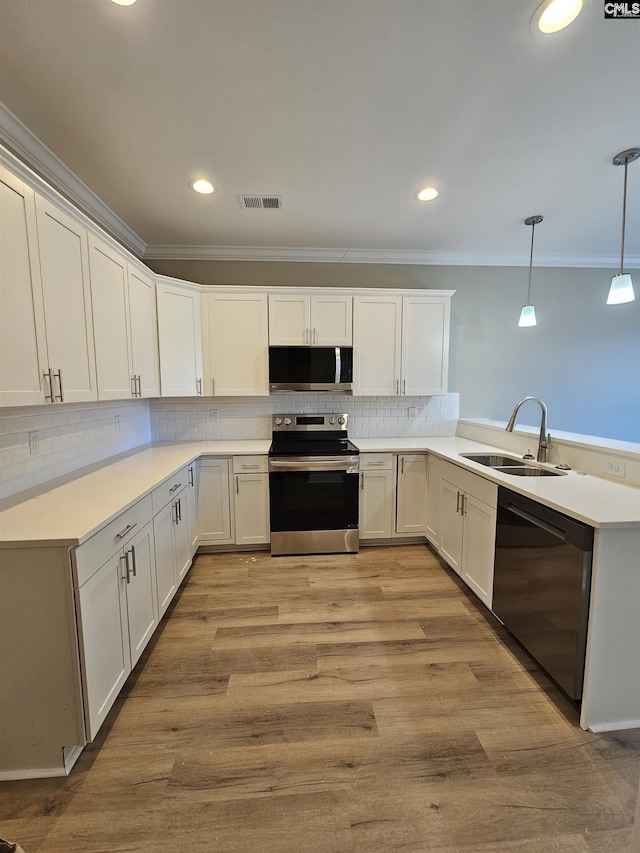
{"points": [[621, 10]]}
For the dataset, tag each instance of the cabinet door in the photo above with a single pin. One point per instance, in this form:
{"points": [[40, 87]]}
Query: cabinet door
{"points": [[252, 508], [182, 536], [104, 640], [376, 345], [377, 504], [142, 602], [478, 547], [411, 517], [64, 267], [236, 344], [110, 321], [289, 320], [143, 332], [432, 529], [214, 507], [425, 345], [166, 583], [451, 524], [191, 498], [179, 340], [23, 353], [332, 320]]}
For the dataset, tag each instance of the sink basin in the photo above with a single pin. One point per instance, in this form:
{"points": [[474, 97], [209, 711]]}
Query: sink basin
{"points": [[525, 471], [493, 461], [509, 465]]}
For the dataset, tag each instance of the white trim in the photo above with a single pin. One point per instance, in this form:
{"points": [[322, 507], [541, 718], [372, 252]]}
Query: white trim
{"points": [[70, 754], [379, 256], [615, 727], [19, 140], [32, 773]]}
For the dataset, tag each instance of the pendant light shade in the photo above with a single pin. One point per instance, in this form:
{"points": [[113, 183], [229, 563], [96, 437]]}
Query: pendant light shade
{"points": [[621, 289], [528, 313]]}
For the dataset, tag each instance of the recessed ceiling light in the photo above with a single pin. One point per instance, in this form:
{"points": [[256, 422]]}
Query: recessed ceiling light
{"points": [[427, 194], [554, 15], [201, 186], [124, 2]]}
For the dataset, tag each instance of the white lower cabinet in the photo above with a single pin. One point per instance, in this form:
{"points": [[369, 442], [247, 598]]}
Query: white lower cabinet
{"points": [[377, 495], [117, 616], [214, 502], [432, 530], [468, 527], [251, 500], [172, 537], [411, 505]]}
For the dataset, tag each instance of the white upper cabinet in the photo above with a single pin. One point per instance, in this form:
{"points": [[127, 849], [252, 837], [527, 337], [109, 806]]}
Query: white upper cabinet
{"points": [[235, 344], [143, 332], [110, 321], [401, 345], [377, 328], [179, 339], [23, 355], [425, 345], [299, 319], [64, 269]]}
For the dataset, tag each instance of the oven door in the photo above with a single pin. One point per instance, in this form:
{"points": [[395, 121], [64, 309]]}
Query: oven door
{"points": [[314, 505]]}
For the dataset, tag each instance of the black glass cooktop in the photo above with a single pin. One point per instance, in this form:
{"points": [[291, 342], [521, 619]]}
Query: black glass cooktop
{"points": [[290, 446]]}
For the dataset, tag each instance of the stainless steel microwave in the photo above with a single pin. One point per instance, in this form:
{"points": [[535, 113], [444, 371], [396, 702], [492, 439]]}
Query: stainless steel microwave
{"points": [[311, 369]]}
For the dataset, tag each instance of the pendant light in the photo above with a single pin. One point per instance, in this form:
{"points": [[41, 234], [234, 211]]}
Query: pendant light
{"points": [[621, 289], [528, 313]]}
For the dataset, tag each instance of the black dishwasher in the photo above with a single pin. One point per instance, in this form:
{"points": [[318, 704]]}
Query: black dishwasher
{"points": [[542, 584]]}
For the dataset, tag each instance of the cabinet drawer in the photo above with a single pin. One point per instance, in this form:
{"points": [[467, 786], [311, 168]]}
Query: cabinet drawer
{"points": [[250, 465], [94, 553], [376, 461], [470, 483], [170, 488]]}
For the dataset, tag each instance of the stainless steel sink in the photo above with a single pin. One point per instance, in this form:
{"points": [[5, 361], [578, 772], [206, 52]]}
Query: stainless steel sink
{"points": [[493, 461], [525, 471], [509, 465]]}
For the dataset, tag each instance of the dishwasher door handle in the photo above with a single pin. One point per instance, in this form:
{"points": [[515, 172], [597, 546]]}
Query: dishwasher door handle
{"points": [[555, 531]]}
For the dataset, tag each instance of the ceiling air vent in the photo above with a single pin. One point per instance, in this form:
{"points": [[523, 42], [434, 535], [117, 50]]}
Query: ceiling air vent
{"points": [[260, 202]]}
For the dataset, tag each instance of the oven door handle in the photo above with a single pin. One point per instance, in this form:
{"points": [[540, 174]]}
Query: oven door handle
{"points": [[348, 465]]}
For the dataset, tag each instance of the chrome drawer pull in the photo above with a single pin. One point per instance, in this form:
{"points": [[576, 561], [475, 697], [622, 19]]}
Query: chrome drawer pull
{"points": [[126, 530], [174, 487]]}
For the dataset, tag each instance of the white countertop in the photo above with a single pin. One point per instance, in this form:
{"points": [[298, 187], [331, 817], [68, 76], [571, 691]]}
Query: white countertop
{"points": [[594, 500], [68, 512], [72, 511]]}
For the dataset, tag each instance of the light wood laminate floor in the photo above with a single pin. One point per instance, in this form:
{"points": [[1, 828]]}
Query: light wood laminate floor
{"points": [[334, 704]]}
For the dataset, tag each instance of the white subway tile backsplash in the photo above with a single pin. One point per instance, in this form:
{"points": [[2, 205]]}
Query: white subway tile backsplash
{"points": [[246, 417]]}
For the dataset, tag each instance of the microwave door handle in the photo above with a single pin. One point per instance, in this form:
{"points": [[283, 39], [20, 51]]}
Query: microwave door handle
{"points": [[338, 366]]}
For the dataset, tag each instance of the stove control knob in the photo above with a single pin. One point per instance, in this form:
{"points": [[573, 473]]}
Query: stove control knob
{"points": [[341, 420], [287, 421], [277, 421], [332, 419]]}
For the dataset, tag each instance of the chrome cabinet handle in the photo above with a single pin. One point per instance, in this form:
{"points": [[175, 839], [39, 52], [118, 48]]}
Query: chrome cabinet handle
{"points": [[404, 387], [139, 381], [199, 386], [463, 507], [397, 386], [179, 508], [47, 375], [315, 335], [237, 485], [174, 487], [190, 475], [125, 577], [402, 461], [133, 559], [134, 386], [59, 396], [362, 482], [126, 530], [213, 387], [176, 519]]}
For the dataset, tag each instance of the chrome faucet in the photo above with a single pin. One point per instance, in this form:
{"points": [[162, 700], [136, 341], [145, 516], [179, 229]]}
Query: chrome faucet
{"points": [[545, 439]]}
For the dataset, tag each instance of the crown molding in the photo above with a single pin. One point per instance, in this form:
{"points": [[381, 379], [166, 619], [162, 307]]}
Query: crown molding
{"points": [[39, 159], [369, 256]]}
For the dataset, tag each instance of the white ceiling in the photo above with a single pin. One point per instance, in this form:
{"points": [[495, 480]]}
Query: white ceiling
{"points": [[343, 107]]}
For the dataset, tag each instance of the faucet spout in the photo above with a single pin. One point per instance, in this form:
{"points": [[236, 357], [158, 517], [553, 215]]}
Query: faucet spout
{"points": [[544, 440]]}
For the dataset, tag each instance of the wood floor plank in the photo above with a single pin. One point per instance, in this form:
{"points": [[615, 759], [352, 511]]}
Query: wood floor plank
{"points": [[360, 703]]}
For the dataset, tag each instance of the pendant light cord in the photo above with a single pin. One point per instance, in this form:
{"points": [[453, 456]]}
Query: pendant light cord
{"points": [[624, 214], [533, 228]]}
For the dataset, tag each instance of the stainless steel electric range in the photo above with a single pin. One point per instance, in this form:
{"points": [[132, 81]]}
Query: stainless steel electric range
{"points": [[313, 485]]}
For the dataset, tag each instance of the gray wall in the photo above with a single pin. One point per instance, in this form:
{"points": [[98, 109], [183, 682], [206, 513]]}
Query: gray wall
{"points": [[582, 359]]}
